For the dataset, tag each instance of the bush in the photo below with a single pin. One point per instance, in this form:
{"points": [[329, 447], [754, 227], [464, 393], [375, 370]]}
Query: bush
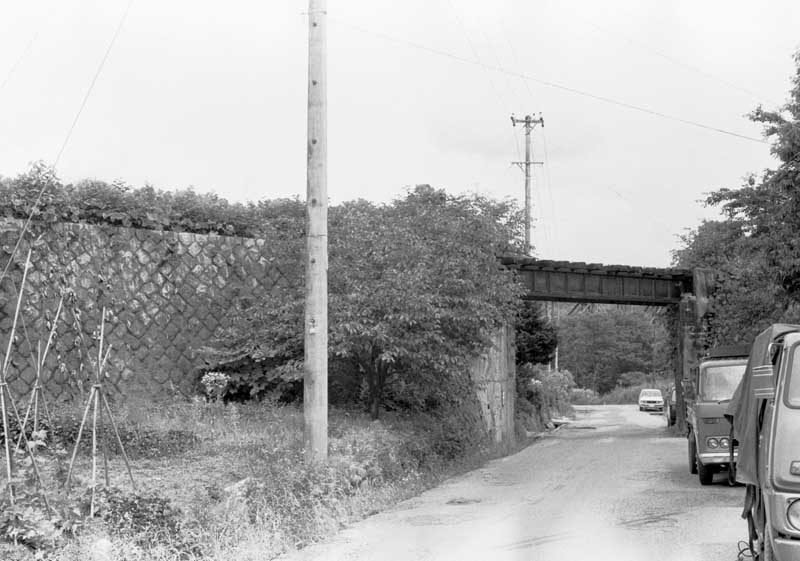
{"points": [[541, 395], [583, 396], [147, 518], [118, 204]]}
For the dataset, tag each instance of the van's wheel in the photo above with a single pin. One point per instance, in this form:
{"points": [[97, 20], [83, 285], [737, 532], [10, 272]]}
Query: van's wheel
{"points": [[704, 473], [692, 445]]}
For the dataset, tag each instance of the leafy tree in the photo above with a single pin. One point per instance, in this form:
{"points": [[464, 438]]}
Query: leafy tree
{"points": [[414, 291], [599, 346], [746, 296], [537, 339], [756, 248]]}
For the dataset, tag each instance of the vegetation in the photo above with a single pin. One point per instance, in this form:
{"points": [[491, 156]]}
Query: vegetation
{"points": [[537, 338], [541, 395], [602, 346], [415, 291], [241, 491], [118, 204], [755, 248], [621, 394]]}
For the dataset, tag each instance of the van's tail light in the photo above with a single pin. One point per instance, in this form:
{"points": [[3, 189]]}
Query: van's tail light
{"points": [[794, 469]]}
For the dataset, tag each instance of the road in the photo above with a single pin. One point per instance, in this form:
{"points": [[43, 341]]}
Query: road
{"points": [[612, 485]]}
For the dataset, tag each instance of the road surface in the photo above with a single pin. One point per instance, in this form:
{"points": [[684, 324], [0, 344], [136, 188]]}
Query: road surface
{"points": [[612, 485]]}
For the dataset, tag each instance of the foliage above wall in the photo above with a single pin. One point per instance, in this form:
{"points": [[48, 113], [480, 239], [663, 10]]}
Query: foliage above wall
{"points": [[415, 289], [117, 204]]}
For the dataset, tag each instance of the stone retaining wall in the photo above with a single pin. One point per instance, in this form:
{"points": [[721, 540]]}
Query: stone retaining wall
{"points": [[167, 291], [494, 376]]}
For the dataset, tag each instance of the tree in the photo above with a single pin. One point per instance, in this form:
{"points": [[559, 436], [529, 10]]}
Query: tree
{"points": [[756, 248], [599, 346], [415, 290], [537, 339]]}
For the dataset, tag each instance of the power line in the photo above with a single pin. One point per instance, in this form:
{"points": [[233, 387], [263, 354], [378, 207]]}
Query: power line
{"points": [[94, 81], [46, 184], [22, 55], [677, 62], [549, 189], [550, 84], [477, 61]]}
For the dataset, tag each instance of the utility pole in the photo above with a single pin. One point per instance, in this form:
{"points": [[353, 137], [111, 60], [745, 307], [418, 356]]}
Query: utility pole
{"points": [[528, 123], [315, 379]]}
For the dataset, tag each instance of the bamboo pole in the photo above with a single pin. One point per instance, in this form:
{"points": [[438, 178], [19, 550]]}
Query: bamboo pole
{"points": [[37, 388], [78, 439], [4, 382], [119, 441]]}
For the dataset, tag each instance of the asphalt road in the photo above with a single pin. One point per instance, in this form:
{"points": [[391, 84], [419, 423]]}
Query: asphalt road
{"points": [[612, 485]]}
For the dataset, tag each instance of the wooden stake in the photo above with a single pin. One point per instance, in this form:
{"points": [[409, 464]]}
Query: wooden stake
{"points": [[94, 449], [78, 439], [95, 396], [4, 384], [37, 388], [119, 442]]}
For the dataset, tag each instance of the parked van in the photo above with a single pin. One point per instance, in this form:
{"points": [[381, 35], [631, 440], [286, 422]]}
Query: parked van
{"points": [[707, 395], [765, 413]]}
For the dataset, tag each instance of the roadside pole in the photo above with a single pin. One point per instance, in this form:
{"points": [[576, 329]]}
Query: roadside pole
{"points": [[315, 380], [528, 123]]}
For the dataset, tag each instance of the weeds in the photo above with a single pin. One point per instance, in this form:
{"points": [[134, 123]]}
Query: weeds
{"points": [[223, 482]]}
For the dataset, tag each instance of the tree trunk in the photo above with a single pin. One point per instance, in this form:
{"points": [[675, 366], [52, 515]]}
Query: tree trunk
{"points": [[375, 405], [374, 398]]}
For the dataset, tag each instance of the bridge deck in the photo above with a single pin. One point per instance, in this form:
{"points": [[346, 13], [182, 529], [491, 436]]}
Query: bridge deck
{"points": [[565, 281]]}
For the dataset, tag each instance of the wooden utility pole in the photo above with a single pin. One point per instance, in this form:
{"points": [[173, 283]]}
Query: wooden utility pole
{"points": [[315, 381], [528, 123]]}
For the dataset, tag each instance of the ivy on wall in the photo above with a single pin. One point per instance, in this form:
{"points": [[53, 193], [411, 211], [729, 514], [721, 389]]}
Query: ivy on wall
{"points": [[93, 201]]}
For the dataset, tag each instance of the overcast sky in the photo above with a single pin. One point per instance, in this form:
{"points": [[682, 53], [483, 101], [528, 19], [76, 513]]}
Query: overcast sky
{"points": [[213, 95]]}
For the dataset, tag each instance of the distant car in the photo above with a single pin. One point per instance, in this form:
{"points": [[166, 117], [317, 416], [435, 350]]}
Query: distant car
{"points": [[669, 406], [651, 400]]}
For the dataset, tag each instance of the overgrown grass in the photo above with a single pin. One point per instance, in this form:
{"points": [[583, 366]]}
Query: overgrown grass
{"points": [[228, 482]]}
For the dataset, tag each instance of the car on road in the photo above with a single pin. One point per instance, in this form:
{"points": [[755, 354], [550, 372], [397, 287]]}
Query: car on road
{"points": [[669, 406], [707, 395], [651, 400], [765, 411]]}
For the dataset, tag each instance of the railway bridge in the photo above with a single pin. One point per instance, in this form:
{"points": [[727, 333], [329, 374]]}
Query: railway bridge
{"points": [[687, 290]]}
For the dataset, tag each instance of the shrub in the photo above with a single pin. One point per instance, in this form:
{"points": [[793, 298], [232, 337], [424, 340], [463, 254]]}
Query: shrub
{"points": [[118, 204], [140, 438], [147, 518], [583, 396], [540, 396]]}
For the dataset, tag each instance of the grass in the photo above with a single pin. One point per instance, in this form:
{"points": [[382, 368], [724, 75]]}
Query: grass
{"points": [[228, 482]]}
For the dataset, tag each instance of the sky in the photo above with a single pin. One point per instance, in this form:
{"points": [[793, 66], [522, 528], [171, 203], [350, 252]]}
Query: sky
{"points": [[212, 96]]}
